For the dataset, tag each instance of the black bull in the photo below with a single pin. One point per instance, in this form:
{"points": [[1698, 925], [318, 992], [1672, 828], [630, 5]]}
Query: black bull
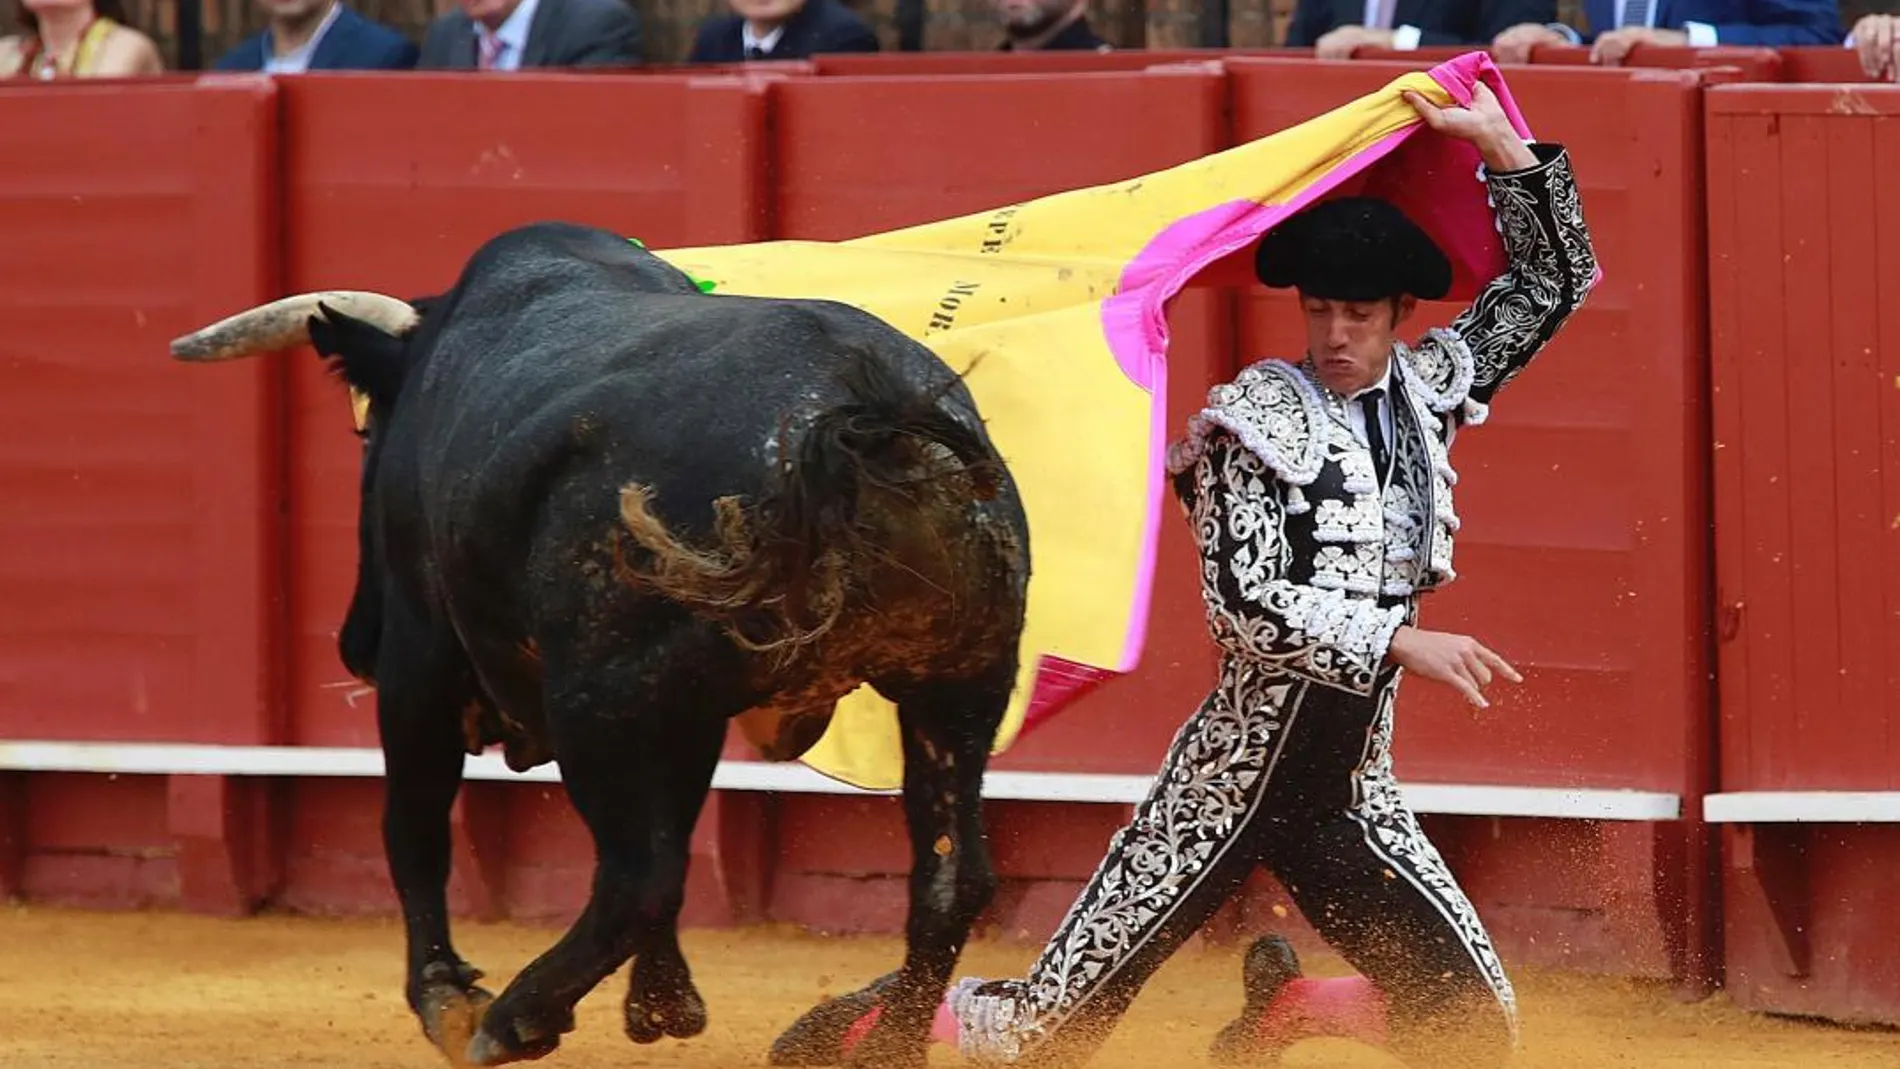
{"points": [[603, 514]]}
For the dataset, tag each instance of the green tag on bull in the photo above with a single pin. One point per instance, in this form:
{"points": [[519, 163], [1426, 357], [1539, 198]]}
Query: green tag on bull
{"points": [[704, 285]]}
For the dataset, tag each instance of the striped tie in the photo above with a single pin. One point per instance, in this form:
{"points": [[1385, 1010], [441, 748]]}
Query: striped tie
{"points": [[490, 48], [1636, 13]]}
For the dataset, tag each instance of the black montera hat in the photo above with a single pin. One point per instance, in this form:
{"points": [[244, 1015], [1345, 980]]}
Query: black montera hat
{"points": [[1353, 249]]}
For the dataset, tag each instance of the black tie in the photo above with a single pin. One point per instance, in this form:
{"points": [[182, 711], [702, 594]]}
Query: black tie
{"points": [[1375, 431], [754, 52]]}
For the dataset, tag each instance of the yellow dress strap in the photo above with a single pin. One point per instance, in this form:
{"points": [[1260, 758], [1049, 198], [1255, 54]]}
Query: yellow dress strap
{"points": [[37, 63], [89, 43]]}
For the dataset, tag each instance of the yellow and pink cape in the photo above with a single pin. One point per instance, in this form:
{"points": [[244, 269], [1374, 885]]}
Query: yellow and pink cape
{"points": [[1064, 298]]}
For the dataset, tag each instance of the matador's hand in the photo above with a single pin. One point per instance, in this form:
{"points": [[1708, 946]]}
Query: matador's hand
{"points": [[1482, 122], [1457, 660]]}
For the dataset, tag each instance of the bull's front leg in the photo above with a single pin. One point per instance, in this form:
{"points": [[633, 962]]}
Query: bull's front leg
{"points": [[947, 730], [422, 756]]}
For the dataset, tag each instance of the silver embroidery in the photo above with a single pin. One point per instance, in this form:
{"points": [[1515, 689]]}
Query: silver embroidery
{"points": [[1214, 778], [1393, 832], [1316, 631], [1553, 268], [1442, 369], [1273, 410]]}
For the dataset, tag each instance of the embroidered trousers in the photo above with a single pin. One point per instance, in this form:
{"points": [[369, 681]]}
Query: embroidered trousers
{"points": [[1276, 771]]}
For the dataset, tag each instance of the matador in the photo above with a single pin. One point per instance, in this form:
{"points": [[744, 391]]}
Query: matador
{"points": [[1320, 495]]}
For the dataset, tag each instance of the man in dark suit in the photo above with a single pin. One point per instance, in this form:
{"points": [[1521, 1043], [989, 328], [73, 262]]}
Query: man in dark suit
{"points": [[780, 29], [1334, 29], [1047, 26], [318, 35], [507, 35], [1617, 26]]}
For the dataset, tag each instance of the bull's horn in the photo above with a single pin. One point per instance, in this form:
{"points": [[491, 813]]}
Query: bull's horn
{"points": [[285, 324]]}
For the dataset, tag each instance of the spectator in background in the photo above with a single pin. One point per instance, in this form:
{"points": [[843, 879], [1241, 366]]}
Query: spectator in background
{"points": [[780, 29], [1334, 29], [1876, 39], [318, 35], [507, 35], [1617, 26], [1047, 26], [76, 39]]}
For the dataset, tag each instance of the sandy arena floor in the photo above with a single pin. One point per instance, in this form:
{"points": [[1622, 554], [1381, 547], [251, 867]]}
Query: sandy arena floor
{"points": [[154, 991]]}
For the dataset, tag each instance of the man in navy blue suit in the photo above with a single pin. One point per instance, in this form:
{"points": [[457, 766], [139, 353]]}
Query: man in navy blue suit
{"points": [[1617, 26], [781, 29], [319, 35]]}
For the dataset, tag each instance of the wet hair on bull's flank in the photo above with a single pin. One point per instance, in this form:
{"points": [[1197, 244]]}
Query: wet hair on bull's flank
{"points": [[778, 575]]}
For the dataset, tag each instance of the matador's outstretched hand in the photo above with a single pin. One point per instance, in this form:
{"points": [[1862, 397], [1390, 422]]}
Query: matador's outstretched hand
{"points": [[1483, 123]]}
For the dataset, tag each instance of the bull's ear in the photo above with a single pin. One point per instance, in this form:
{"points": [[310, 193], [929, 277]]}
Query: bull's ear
{"points": [[368, 360]]}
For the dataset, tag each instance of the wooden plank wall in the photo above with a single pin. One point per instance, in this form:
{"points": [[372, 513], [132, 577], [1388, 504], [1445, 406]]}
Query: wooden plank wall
{"points": [[668, 24]]}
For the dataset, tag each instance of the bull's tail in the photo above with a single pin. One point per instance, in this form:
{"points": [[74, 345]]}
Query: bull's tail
{"points": [[779, 574]]}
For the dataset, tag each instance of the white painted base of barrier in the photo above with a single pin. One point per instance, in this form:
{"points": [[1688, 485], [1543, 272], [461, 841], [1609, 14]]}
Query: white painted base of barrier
{"points": [[1802, 807], [187, 759]]}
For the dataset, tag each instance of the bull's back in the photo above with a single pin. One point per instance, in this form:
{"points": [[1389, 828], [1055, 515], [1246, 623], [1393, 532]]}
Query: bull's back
{"points": [[571, 362]]}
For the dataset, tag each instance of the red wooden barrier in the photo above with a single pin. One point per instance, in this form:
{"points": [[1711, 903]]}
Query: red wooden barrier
{"points": [[920, 64], [139, 509], [1751, 64], [1019, 138], [1746, 64], [1804, 245], [1585, 528], [1417, 58], [1822, 65]]}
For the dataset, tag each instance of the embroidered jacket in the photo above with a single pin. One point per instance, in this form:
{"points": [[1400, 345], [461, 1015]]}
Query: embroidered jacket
{"points": [[1306, 564]]}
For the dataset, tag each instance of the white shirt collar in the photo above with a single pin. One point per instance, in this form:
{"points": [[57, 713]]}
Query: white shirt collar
{"points": [[764, 44], [1356, 415], [1384, 383], [513, 34], [297, 60]]}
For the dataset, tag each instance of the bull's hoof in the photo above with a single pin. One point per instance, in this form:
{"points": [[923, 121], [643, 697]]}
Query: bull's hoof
{"points": [[485, 1049], [653, 1016], [500, 1041], [451, 1014], [819, 1037]]}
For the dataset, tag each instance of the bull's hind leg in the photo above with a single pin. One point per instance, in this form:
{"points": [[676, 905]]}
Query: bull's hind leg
{"points": [[948, 728], [638, 780], [424, 687], [661, 999]]}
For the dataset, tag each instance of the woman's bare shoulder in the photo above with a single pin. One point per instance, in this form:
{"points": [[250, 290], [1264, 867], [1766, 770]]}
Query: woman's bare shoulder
{"points": [[127, 51]]}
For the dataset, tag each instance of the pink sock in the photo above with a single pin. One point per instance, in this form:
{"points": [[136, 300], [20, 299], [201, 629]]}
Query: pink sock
{"points": [[1348, 1006], [943, 1027]]}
